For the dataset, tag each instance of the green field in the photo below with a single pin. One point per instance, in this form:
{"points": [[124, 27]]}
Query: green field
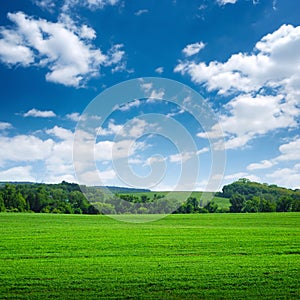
{"points": [[205, 196], [198, 256]]}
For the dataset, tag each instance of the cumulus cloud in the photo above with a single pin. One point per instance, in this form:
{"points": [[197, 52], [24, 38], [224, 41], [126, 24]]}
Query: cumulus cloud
{"points": [[39, 113], [54, 155], [193, 49], [274, 60], [288, 177], [73, 116], [24, 148], [21, 173], [265, 84], [64, 48], [289, 151], [61, 133], [5, 125]]}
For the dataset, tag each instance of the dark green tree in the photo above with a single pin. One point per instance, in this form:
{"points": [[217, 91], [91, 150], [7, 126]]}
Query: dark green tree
{"points": [[237, 202], [284, 204], [2, 206]]}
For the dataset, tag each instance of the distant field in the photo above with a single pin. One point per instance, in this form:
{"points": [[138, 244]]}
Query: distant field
{"points": [[222, 202], [196, 256]]}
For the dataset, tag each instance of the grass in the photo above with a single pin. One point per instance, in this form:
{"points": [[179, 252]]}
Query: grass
{"points": [[210, 256]]}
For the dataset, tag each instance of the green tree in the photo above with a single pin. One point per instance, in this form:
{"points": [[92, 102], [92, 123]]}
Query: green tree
{"points": [[211, 207], [78, 202], [144, 199], [237, 202], [13, 200], [284, 204], [252, 205], [2, 206]]}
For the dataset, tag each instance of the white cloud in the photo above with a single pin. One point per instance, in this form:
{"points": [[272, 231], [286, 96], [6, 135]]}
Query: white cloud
{"points": [[273, 61], [74, 116], [87, 32], [247, 117], [63, 48], [159, 70], [91, 4], [193, 49], [141, 12], [135, 128], [265, 84], [135, 160], [146, 86], [283, 176], [129, 105], [98, 178], [223, 2], [21, 173], [176, 113], [157, 94], [154, 159], [265, 164], [185, 156], [236, 176], [151, 92], [203, 150], [12, 52], [289, 151], [61, 133], [45, 4], [39, 113], [288, 177], [110, 150], [24, 148], [181, 157], [5, 125]]}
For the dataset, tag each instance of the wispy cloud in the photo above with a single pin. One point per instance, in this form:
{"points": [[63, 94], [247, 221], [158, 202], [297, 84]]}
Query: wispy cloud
{"points": [[73, 116], [5, 125], [193, 49], [224, 2], [159, 70], [141, 12]]}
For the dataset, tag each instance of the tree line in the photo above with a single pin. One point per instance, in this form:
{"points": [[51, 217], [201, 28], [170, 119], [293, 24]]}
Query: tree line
{"points": [[44, 198], [247, 196], [68, 198]]}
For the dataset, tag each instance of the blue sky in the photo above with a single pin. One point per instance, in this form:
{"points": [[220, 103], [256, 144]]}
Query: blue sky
{"points": [[242, 56]]}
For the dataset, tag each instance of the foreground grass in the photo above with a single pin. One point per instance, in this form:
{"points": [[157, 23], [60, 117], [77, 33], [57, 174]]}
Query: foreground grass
{"points": [[211, 256]]}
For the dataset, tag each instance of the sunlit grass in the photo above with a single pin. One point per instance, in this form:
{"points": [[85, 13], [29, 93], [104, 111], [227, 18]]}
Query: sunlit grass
{"points": [[209, 256]]}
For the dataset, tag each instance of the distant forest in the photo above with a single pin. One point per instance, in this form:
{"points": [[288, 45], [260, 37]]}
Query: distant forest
{"points": [[67, 198]]}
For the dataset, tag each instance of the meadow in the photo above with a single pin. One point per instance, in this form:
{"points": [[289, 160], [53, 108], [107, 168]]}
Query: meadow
{"points": [[195, 256]]}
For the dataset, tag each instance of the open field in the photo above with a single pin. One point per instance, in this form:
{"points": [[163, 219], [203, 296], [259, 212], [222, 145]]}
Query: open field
{"points": [[198, 256]]}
